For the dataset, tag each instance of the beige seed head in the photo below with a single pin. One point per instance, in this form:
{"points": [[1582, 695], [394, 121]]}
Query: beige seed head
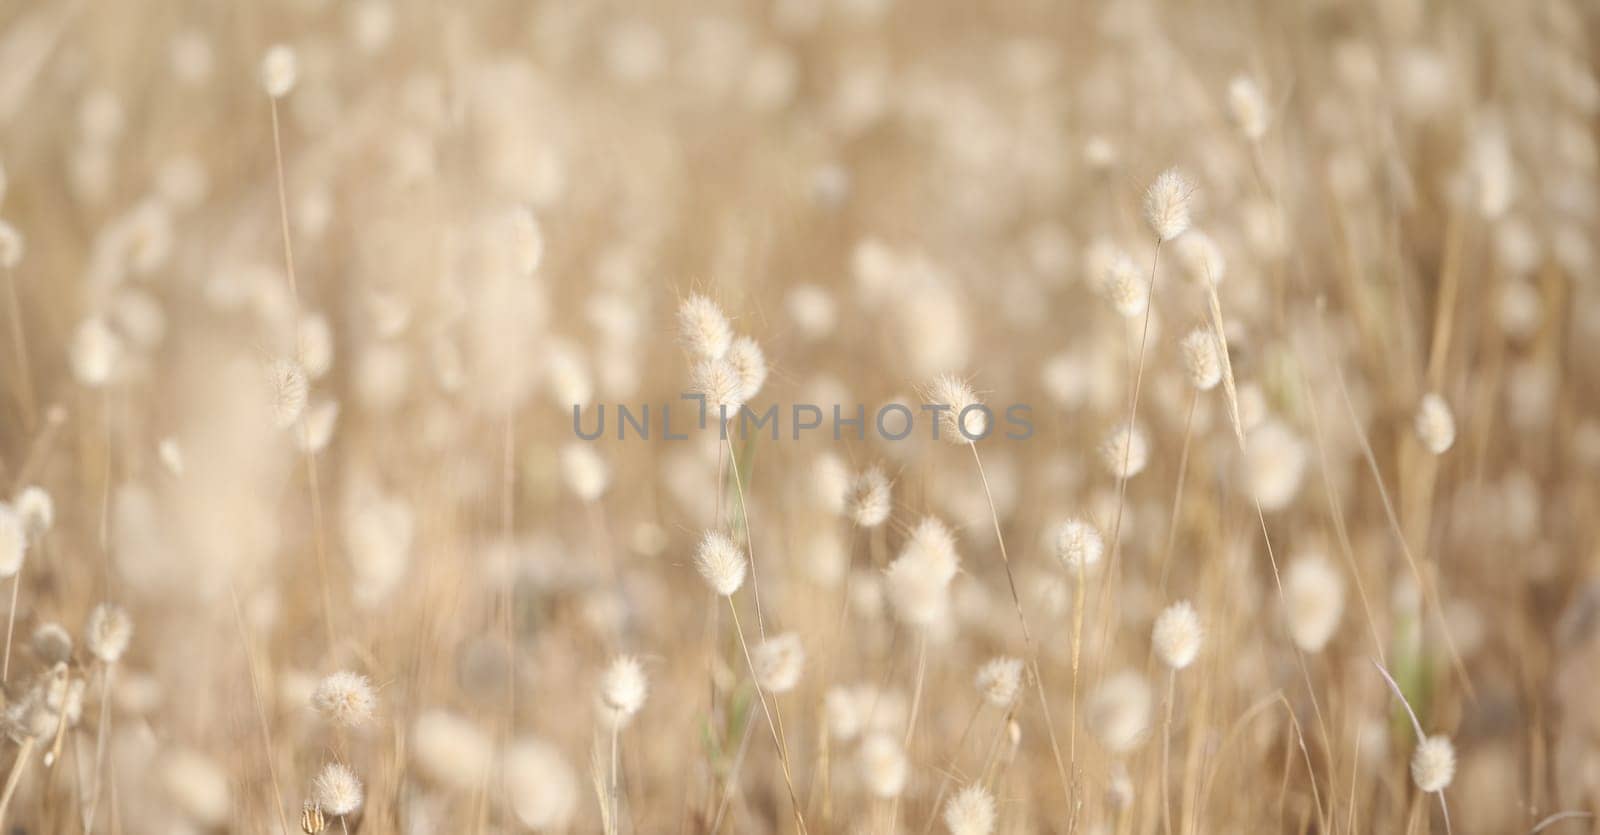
{"points": [[1248, 107], [1079, 545], [1433, 763], [703, 328], [1201, 360], [623, 688], [1313, 592], [970, 812], [336, 790], [965, 419], [1125, 451], [1435, 425], [869, 500], [345, 698], [778, 662], [1166, 204], [1177, 635], [998, 681], [279, 70], [108, 632], [720, 563], [750, 365]]}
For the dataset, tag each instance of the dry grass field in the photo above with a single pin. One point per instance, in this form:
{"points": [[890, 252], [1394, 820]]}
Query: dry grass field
{"points": [[1142, 418]]}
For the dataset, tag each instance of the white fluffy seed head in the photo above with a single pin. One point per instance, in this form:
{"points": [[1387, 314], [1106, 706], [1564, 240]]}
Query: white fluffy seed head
{"points": [[1201, 258], [12, 246], [718, 381], [450, 749], [336, 790], [95, 352], [1202, 362], [703, 328], [13, 541], [1433, 764], [965, 419], [720, 562], [778, 662], [584, 471], [1125, 451], [869, 499], [998, 680], [1177, 635], [1248, 107], [970, 812], [1079, 545], [1274, 461], [288, 391], [1119, 711], [1125, 286], [345, 698], [108, 632], [883, 765], [540, 786], [1435, 425], [279, 70], [1166, 204], [1313, 592], [917, 591], [932, 544], [750, 365], [623, 688]]}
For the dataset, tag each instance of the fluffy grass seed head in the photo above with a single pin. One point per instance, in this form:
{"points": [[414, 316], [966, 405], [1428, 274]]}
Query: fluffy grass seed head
{"points": [[1435, 425], [1248, 107], [540, 786], [970, 812], [584, 471], [883, 765], [623, 688], [720, 562], [288, 389], [13, 541], [869, 501], [718, 381], [345, 698], [917, 590], [1201, 258], [966, 419], [1166, 204], [778, 662], [95, 352], [108, 632], [336, 790], [1177, 635], [1125, 451], [1202, 362], [750, 364], [1433, 764], [703, 328], [279, 70], [37, 510], [1124, 285], [999, 680], [1274, 462], [1313, 592], [934, 546], [450, 749], [1079, 545], [1119, 711]]}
